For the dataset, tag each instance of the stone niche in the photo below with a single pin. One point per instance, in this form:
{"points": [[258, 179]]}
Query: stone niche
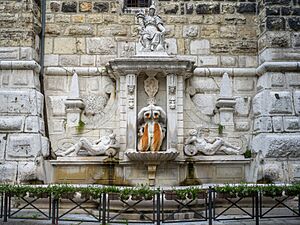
{"points": [[148, 85]]}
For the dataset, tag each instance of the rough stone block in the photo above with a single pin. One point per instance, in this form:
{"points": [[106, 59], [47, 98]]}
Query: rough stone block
{"points": [[27, 171], [203, 84], [277, 145], [208, 61], [260, 103], [57, 105], [171, 8], [242, 126], [277, 123], [171, 46], [189, 8], [60, 46], [22, 78], [249, 8], [277, 2], [87, 60], [56, 126], [114, 30], [205, 103], [294, 23], [3, 138], [55, 6], [243, 84], [263, 124], [228, 61], [9, 53], [200, 47], [275, 23], [296, 39], [80, 30], [94, 18], [242, 106], [70, 7], [264, 81], [126, 49], [85, 6], [297, 101], [101, 45], [48, 45], [291, 124], [78, 19], [53, 30], [34, 124], [21, 102], [190, 31], [278, 80], [293, 79], [56, 84], [275, 103], [228, 31], [27, 53], [101, 7], [102, 60], [281, 103], [228, 8], [248, 61], [273, 11], [23, 146], [10, 171], [208, 8], [69, 60], [11, 123]]}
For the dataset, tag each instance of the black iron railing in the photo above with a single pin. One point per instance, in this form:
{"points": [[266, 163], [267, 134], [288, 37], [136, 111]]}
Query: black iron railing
{"points": [[163, 206]]}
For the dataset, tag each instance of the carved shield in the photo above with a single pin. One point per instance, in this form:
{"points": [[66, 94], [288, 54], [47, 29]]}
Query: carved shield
{"points": [[151, 86]]}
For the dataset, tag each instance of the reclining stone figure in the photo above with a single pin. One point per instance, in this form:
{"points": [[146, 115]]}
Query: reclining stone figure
{"points": [[195, 144], [106, 145]]}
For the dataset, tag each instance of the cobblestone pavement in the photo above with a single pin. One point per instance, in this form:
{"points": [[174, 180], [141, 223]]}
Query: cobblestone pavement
{"points": [[285, 221]]}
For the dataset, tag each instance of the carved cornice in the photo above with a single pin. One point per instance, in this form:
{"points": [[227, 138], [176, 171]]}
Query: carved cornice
{"points": [[165, 65]]}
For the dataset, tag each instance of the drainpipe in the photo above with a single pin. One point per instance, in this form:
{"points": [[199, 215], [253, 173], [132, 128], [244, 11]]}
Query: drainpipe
{"points": [[42, 56]]}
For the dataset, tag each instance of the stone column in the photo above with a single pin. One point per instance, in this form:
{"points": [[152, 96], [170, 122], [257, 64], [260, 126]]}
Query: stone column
{"points": [[131, 107], [172, 111], [276, 104], [22, 132]]}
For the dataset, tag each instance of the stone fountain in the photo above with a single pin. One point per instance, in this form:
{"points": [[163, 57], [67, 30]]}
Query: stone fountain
{"points": [[150, 95]]}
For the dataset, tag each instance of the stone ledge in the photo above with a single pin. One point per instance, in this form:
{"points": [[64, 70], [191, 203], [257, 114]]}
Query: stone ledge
{"points": [[80, 160], [278, 67], [20, 65], [219, 159], [235, 72], [67, 71]]}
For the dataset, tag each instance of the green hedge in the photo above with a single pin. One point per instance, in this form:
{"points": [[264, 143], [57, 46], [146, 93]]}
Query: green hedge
{"points": [[271, 190], [143, 191]]}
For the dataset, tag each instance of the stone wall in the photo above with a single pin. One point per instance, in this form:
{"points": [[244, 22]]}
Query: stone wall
{"points": [[23, 143], [211, 33], [275, 106]]}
